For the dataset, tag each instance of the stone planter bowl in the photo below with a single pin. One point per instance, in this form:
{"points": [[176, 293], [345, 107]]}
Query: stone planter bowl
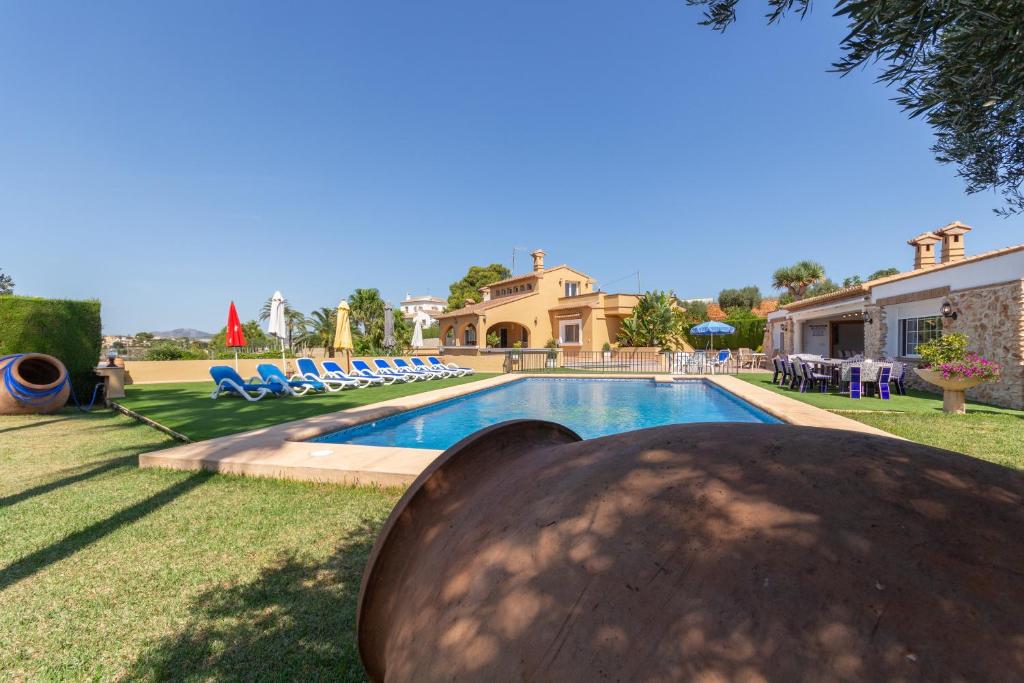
{"points": [[701, 552], [953, 398], [36, 372], [952, 384]]}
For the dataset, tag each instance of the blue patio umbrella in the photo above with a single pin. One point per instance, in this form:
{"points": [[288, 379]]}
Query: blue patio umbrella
{"points": [[710, 329]]}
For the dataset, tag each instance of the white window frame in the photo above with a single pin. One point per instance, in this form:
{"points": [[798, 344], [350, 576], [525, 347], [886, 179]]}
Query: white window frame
{"points": [[575, 285], [902, 340], [575, 322]]}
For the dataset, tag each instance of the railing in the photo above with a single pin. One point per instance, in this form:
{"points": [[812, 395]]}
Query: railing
{"points": [[622, 362]]}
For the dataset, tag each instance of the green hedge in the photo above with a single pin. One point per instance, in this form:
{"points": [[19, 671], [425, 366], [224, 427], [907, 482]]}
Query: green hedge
{"points": [[68, 330], [749, 334]]}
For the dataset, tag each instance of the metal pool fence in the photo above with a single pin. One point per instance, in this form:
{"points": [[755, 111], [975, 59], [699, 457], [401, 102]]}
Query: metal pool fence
{"points": [[621, 362]]}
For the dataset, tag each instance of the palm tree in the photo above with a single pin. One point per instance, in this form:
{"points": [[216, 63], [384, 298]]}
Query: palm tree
{"points": [[796, 278], [318, 332]]}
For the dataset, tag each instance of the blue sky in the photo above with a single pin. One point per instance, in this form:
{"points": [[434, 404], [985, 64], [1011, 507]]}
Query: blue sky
{"points": [[167, 159]]}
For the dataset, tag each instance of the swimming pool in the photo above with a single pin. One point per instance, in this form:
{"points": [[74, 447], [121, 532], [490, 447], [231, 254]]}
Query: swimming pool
{"points": [[590, 407]]}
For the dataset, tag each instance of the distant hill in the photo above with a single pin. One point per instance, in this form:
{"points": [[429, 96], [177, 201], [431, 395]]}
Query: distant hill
{"points": [[183, 332]]}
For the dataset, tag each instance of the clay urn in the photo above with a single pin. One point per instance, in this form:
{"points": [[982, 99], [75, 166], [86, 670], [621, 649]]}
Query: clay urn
{"points": [[699, 552], [33, 383]]}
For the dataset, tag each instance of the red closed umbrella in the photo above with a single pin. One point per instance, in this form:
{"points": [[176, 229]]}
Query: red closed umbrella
{"points": [[235, 336]]}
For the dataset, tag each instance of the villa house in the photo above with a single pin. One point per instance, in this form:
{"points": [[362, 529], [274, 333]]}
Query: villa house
{"points": [[547, 303], [424, 308], [946, 291]]}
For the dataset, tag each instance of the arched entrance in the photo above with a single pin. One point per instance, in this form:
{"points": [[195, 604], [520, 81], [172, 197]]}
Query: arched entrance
{"points": [[508, 333]]}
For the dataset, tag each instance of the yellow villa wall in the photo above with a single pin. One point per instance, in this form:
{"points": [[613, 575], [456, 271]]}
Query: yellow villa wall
{"points": [[534, 312]]}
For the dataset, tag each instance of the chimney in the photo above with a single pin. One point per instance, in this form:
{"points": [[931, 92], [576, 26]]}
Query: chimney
{"points": [[538, 260], [924, 249], [953, 241]]}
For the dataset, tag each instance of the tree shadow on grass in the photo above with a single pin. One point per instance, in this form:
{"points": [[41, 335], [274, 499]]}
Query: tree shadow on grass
{"points": [[105, 466], [295, 621], [71, 544]]}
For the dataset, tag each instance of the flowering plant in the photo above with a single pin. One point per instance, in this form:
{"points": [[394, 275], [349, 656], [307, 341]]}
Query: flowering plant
{"points": [[972, 366], [949, 355]]}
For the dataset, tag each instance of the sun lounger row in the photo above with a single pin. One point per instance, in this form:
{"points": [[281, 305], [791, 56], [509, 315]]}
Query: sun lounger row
{"points": [[273, 381]]}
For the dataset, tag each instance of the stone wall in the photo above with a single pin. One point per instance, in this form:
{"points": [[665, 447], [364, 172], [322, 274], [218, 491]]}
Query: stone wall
{"points": [[875, 331], [993, 320]]}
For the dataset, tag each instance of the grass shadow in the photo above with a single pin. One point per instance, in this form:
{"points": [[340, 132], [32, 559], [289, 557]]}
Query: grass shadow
{"points": [[106, 466], [295, 621], [59, 550]]}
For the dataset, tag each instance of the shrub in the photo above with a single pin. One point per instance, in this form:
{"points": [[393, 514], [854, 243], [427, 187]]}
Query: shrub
{"points": [[68, 330], [169, 350], [946, 349]]}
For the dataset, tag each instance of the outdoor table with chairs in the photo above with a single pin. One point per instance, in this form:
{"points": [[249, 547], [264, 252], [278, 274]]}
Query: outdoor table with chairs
{"points": [[851, 377]]}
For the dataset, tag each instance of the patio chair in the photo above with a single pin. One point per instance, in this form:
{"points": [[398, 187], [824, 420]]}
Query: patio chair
{"points": [[361, 368], [384, 368], [402, 366], [745, 358], [855, 384], [884, 374], [433, 360], [721, 360], [442, 372], [819, 379], [779, 370], [230, 383], [794, 373], [274, 376], [309, 371], [898, 377], [335, 371]]}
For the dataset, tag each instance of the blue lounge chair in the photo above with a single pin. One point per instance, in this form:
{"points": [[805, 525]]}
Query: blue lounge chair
{"points": [[440, 372], [384, 368], [309, 371], [361, 368], [721, 360], [335, 371], [230, 383], [433, 360], [402, 366], [274, 376]]}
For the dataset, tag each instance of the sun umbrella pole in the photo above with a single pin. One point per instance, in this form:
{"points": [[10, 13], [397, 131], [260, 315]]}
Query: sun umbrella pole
{"points": [[236, 359], [284, 365]]}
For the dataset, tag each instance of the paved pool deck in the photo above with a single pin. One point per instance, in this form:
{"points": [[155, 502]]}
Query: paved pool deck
{"points": [[284, 451]]}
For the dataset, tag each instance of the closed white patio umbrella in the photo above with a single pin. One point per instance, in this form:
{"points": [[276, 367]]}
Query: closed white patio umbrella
{"points": [[417, 334], [277, 326]]}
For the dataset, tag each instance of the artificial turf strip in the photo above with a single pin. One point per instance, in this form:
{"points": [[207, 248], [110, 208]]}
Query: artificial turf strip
{"points": [[109, 572], [987, 432], [188, 409]]}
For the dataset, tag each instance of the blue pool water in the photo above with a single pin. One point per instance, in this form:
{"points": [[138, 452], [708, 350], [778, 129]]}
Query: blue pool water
{"points": [[590, 407]]}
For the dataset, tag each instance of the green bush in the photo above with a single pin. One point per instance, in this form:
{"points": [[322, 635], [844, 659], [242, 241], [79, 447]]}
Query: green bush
{"points": [[68, 330], [170, 350], [949, 348]]}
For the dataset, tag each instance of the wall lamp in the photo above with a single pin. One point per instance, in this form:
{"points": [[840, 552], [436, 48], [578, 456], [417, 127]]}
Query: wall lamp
{"points": [[868, 318], [948, 312]]}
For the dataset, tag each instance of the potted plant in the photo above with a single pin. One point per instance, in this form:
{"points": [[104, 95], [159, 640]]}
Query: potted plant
{"points": [[516, 346], [552, 347], [493, 340], [946, 363], [606, 351]]}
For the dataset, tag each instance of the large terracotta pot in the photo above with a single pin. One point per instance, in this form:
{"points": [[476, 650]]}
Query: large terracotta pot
{"points": [[711, 552], [37, 373], [954, 400]]}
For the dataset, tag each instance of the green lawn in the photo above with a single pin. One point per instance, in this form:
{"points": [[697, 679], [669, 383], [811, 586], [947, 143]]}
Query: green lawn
{"points": [[188, 409], [112, 572], [986, 432]]}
